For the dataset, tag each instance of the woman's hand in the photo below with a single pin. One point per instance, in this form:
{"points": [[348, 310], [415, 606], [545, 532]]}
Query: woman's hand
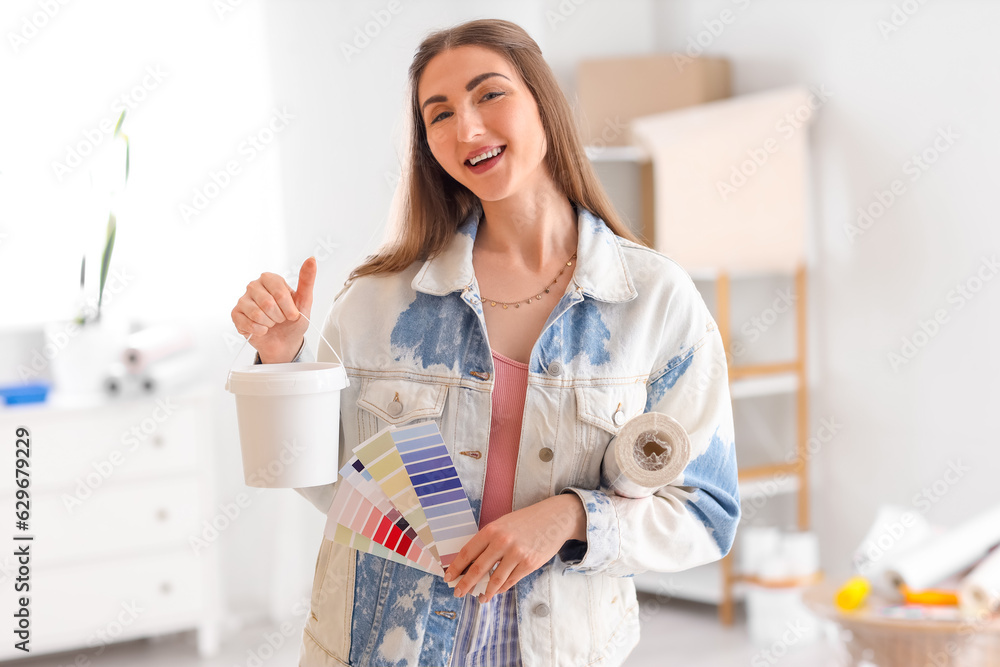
{"points": [[518, 543], [270, 311]]}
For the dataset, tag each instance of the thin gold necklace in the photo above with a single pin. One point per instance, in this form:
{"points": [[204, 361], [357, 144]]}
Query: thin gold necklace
{"points": [[537, 297]]}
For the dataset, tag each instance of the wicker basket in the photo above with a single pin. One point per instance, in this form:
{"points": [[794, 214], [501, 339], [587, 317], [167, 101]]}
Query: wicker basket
{"points": [[873, 639]]}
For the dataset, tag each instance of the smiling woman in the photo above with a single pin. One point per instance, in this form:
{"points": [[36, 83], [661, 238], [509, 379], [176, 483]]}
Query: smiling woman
{"points": [[583, 329]]}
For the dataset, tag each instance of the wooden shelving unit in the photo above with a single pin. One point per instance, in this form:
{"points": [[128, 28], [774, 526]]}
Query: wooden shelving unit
{"points": [[759, 379], [719, 583]]}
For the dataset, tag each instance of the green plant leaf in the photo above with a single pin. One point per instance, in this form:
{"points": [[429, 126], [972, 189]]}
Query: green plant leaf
{"points": [[121, 119], [109, 246]]}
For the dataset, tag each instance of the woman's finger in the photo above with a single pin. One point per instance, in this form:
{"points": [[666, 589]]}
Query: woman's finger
{"points": [[522, 570], [505, 568], [246, 326], [264, 300], [465, 556], [281, 296], [304, 290], [480, 568]]}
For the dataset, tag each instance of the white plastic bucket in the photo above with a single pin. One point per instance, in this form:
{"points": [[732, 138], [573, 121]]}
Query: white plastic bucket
{"points": [[289, 421]]}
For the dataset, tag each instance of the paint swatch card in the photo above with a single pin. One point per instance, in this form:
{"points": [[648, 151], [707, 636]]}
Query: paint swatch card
{"points": [[355, 474], [383, 463], [404, 501], [438, 488], [353, 520]]}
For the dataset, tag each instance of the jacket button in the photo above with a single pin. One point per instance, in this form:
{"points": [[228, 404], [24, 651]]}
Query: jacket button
{"points": [[618, 418], [542, 610], [545, 454], [555, 369], [395, 408]]}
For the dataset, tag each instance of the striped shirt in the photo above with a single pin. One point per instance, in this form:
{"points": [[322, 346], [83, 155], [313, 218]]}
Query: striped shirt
{"points": [[487, 633]]}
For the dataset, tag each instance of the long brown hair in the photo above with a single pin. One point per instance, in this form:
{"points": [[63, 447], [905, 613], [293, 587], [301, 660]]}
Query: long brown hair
{"points": [[434, 204]]}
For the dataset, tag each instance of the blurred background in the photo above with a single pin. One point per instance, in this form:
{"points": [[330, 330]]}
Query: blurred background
{"points": [[822, 169]]}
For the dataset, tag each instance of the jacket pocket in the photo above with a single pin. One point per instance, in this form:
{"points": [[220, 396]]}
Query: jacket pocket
{"points": [[397, 402], [600, 414]]}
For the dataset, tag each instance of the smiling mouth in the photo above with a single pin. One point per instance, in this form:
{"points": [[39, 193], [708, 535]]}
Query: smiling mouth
{"points": [[471, 163]]}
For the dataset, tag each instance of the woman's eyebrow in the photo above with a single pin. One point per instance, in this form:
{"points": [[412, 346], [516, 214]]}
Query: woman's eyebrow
{"points": [[469, 86]]}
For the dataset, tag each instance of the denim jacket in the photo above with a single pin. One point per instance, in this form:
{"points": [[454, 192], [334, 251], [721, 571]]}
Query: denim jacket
{"points": [[630, 333]]}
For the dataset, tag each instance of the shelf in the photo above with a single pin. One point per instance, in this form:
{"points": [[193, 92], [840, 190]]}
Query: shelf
{"points": [[769, 486], [617, 154], [781, 383]]}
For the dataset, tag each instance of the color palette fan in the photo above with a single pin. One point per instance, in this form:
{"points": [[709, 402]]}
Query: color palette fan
{"points": [[403, 501]]}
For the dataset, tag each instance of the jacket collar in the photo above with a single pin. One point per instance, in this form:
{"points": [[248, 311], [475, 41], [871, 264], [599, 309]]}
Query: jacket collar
{"points": [[600, 272]]}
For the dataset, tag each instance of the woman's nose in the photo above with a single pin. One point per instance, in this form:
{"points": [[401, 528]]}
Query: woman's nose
{"points": [[470, 125]]}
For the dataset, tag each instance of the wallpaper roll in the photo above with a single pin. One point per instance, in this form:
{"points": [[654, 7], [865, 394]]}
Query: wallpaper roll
{"points": [[946, 555], [172, 373], [649, 452], [979, 594], [153, 344], [116, 379]]}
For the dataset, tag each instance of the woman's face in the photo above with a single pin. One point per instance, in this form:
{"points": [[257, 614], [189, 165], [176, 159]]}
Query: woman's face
{"points": [[474, 102]]}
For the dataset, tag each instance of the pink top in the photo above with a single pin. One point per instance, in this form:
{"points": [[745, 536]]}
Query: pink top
{"points": [[510, 383]]}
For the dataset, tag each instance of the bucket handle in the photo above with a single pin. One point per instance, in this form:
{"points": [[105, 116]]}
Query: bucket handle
{"points": [[247, 341]]}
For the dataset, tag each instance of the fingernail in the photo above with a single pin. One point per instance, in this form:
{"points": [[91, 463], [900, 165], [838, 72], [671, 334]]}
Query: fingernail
{"points": [[456, 593]]}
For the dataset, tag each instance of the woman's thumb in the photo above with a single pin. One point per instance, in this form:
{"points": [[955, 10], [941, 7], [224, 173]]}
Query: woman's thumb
{"points": [[303, 295]]}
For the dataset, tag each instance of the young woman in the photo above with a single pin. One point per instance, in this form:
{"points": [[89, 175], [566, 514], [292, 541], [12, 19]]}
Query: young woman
{"points": [[518, 312]]}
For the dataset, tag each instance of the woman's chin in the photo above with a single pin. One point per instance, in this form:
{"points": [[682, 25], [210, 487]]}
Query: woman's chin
{"points": [[490, 193]]}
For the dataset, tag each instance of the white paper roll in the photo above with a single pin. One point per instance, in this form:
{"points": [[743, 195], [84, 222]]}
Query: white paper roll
{"points": [[171, 373], [118, 381], [979, 594], [153, 344], [895, 530], [649, 452], [948, 554]]}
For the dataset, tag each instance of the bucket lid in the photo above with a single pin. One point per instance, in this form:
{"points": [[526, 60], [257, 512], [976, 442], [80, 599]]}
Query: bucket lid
{"points": [[292, 378]]}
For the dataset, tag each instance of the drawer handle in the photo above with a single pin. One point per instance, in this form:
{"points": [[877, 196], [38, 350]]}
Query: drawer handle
{"points": [[157, 441], [162, 514], [166, 588]]}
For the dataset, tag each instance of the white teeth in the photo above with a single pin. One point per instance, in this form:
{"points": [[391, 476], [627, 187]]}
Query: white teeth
{"points": [[485, 156]]}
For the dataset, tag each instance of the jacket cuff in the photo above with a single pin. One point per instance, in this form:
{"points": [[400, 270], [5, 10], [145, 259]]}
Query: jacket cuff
{"points": [[298, 355], [603, 543]]}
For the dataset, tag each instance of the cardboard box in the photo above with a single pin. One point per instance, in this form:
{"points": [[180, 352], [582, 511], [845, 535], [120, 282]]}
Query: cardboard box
{"points": [[613, 91]]}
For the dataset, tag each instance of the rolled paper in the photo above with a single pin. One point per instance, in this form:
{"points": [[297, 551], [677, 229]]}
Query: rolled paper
{"points": [[895, 530], [979, 594], [946, 555], [117, 379], [153, 344], [649, 452], [171, 373]]}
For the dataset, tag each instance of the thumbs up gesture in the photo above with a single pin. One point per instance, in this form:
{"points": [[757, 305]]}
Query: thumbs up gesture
{"points": [[269, 310]]}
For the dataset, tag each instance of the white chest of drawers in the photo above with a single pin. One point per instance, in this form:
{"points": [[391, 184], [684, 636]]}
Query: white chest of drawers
{"points": [[118, 488]]}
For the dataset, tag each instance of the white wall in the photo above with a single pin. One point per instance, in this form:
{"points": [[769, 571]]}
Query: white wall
{"points": [[892, 91]]}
